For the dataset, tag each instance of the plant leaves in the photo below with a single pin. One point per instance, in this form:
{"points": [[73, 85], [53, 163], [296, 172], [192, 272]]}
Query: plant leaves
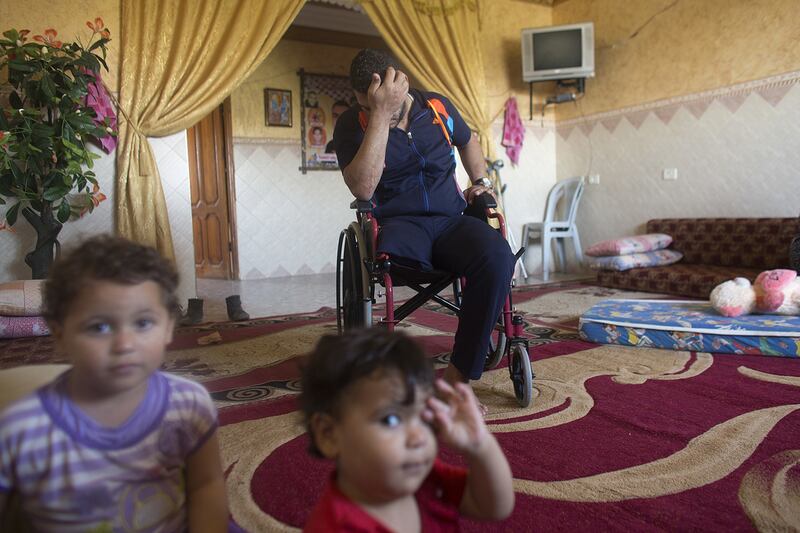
{"points": [[54, 193], [63, 211], [48, 87], [17, 172], [11, 214], [15, 100], [21, 66], [47, 155]]}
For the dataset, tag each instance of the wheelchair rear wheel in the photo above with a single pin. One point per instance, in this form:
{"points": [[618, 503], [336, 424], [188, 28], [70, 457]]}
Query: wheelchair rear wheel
{"points": [[497, 349], [519, 365], [350, 293]]}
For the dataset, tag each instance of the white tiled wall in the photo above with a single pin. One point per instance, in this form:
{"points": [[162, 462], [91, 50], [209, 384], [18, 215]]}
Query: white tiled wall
{"points": [[171, 157], [528, 183], [171, 154], [737, 151], [289, 223]]}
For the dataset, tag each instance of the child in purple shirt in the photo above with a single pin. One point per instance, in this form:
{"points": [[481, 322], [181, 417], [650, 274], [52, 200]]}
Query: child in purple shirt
{"points": [[113, 444]]}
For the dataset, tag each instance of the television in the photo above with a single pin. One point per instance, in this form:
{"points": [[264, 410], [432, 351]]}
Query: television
{"points": [[558, 52]]}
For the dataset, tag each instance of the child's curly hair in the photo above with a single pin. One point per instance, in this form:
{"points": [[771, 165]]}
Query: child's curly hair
{"points": [[338, 361], [106, 258]]}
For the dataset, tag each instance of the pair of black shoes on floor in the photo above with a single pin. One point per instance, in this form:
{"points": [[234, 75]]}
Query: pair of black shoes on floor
{"points": [[194, 313]]}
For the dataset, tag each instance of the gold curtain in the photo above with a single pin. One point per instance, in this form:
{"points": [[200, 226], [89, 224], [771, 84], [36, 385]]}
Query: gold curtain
{"points": [[439, 42], [179, 60]]}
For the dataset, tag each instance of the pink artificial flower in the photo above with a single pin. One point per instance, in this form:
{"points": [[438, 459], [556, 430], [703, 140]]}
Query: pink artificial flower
{"points": [[98, 99]]}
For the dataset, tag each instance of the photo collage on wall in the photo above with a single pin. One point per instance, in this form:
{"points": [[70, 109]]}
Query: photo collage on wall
{"points": [[323, 98]]}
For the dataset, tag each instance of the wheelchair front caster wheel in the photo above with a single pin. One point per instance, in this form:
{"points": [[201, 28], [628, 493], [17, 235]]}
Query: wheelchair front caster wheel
{"points": [[519, 365]]}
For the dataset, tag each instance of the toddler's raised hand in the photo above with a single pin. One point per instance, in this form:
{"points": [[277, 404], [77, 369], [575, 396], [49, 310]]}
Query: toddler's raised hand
{"points": [[457, 417]]}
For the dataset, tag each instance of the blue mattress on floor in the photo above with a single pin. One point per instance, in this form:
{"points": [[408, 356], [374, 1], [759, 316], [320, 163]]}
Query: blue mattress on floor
{"points": [[689, 325]]}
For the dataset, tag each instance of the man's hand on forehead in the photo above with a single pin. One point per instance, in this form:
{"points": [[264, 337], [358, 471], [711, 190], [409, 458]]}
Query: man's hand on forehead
{"points": [[388, 95]]}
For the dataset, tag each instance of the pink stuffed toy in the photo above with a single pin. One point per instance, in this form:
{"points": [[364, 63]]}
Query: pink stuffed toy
{"points": [[775, 292]]}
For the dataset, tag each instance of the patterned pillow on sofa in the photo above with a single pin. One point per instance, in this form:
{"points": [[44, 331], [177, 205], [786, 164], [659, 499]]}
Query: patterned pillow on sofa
{"points": [[21, 298], [626, 262], [630, 245]]}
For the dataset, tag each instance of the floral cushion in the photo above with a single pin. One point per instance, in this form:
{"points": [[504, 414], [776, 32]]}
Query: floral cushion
{"points": [[21, 298], [626, 262], [12, 327], [630, 245]]}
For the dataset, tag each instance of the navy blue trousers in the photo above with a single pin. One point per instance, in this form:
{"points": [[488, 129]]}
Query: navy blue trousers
{"points": [[469, 248]]}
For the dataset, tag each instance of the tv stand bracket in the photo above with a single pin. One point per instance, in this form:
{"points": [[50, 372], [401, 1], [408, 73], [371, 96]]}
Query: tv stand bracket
{"points": [[558, 98]]}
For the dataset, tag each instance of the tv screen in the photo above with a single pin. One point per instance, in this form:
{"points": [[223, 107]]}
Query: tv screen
{"points": [[557, 49], [558, 52]]}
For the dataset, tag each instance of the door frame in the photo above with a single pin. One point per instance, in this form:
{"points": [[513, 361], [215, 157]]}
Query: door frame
{"points": [[230, 183]]}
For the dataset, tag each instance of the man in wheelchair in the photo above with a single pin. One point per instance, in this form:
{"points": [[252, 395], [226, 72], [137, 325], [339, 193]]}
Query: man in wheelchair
{"points": [[396, 150]]}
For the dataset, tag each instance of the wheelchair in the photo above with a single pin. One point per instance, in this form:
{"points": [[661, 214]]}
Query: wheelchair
{"points": [[360, 269]]}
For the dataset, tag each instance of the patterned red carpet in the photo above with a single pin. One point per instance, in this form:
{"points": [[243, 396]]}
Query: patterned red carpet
{"points": [[617, 438]]}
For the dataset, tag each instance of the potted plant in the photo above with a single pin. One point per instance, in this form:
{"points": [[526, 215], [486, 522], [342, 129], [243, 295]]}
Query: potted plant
{"points": [[45, 163]]}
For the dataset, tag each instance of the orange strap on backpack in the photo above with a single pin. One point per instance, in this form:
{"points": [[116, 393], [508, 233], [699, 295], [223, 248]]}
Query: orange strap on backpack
{"points": [[433, 103]]}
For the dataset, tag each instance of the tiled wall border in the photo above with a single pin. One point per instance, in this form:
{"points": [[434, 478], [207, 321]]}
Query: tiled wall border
{"points": [[771, 89], [266, 140]]}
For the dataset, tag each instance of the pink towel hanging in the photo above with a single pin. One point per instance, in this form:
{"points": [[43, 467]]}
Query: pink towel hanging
{"points": [[513, 131]]}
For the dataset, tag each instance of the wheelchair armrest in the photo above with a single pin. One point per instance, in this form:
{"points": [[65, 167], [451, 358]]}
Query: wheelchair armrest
{"points": [[479, 206], [362, 206], [484, 201]]}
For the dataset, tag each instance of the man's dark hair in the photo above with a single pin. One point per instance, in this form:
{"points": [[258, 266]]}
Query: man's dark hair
{"points": [[338, 361], [106, 258], [367, 62]]}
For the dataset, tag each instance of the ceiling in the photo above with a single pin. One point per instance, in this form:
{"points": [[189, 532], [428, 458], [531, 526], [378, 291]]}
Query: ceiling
{"points": [[331, 17], [550, 3], [344, 23]]}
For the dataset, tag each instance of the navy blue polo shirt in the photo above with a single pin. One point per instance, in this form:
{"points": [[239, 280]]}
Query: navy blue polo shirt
{"points": [[419, 170]]}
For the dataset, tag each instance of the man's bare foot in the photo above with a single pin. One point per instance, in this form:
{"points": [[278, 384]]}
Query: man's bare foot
{"points": [[452, 376]]}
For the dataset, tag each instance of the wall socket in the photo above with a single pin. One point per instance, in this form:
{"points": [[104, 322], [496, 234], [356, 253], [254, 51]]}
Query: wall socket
{"points": [[670, 174], [594, 179]]}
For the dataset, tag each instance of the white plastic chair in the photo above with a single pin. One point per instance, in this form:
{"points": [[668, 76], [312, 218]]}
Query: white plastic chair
{"points": [[558, 224]]}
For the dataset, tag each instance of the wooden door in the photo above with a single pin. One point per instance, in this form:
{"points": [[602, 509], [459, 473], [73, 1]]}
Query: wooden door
{"points": [[213, 197]]}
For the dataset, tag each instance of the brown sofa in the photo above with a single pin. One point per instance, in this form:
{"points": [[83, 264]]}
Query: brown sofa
{"points": [[714, 250]]}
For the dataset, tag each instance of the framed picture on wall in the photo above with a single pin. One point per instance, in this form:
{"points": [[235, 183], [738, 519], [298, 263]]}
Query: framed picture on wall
{"points": [[278, 105], [323, 97]]}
